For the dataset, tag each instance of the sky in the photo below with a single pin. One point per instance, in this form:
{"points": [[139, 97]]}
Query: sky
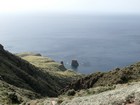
{"points": [[71, 6]]}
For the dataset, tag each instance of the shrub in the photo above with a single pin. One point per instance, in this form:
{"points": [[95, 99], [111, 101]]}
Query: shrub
{"points": [[71, 92], [59, 101], [14, 98]]}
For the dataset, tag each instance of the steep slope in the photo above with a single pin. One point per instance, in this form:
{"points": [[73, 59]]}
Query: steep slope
{"points": [[42, 62], [22, 74], [126, 94], [21, 80], [117, 76], [10, 94], [116, 87], [55, 69]]}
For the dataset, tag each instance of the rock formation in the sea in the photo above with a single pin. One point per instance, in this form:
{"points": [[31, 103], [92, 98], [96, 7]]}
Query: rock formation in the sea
{"points": [[74, 63], [62, 63]]}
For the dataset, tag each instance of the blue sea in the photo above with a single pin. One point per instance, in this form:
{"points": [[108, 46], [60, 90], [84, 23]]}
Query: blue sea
{"points": [[98, 42]]}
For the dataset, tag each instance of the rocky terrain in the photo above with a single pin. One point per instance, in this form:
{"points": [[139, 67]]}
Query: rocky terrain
{"points": [[31, 79], [116, 76], [126, 94], [122, 95]]}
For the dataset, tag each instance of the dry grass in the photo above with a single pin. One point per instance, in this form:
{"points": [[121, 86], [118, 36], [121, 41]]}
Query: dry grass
{"points": [[49, 65]]}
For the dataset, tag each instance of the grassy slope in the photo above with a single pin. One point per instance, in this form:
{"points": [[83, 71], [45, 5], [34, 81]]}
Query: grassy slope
{"points": [[122, 94], [116, 87], [22, 74], [12, 94], [22, 77], [64, 76], [54, 76], [127, 94]]}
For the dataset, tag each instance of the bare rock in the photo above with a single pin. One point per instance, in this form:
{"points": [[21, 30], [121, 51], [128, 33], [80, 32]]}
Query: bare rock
{"points": [[62, 63], [74, 63], [1, 47]]}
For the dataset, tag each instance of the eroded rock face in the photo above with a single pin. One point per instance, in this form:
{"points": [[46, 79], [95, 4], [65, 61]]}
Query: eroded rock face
{"points": [[1, 47], [84, 83], [74, 63]]}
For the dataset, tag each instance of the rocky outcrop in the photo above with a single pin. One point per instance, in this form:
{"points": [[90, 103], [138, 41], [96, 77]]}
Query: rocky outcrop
{"points": [[62, 63], [1, 47], [84, 83], [116, 76], [74, 63]]}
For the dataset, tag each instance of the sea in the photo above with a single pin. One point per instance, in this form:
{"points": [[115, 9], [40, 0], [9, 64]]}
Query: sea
{"points": [[98, 42]]}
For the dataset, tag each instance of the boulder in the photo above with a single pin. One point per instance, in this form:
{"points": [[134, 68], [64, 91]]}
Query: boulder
{"points": [[74, 63]]}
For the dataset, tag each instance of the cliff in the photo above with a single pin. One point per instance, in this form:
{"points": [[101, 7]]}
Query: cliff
{"points": [[25, 78], [19, 75]]}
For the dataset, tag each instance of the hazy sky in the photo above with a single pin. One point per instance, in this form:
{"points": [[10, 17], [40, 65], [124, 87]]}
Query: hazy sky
{"points": [[77, 6]]}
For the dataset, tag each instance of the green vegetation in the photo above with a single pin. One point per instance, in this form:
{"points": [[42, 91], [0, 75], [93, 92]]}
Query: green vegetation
{"points": [[71, 92], [10, 94], [97, 90], [28, 76], [47, 65], [116, 76], [21, 73], [44, 80]]}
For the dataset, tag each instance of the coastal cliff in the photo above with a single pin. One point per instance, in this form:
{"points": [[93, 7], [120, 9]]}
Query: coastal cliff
{"points": [[31, 79], [19, 75]]}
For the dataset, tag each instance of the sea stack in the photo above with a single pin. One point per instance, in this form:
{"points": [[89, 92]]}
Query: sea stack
{"points": [[74, 63], [62, 63]]}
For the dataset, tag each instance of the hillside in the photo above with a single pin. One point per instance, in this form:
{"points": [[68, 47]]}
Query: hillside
{"points": [[19, 74], [126, 94], [55, 69], [10, 94], [116, 76], [117, 87], [32, 79]]}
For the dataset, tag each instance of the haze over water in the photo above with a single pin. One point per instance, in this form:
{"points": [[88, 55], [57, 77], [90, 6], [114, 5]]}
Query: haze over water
{"points": [[98, 42]]}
